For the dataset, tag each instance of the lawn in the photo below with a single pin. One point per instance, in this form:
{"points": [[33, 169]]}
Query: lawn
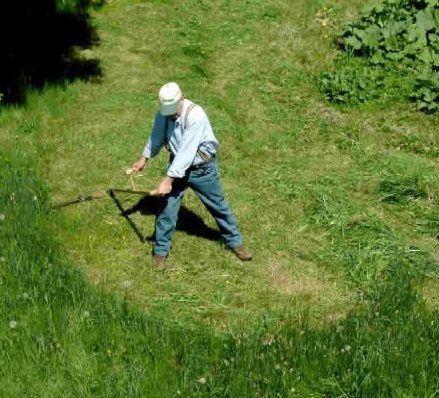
{"points": [[337, 203]]}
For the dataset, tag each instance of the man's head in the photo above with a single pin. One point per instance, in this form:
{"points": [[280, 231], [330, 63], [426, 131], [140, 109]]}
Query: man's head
{"points": [[169, 97]]}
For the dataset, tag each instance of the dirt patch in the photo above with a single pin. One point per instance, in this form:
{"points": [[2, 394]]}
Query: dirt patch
{"points": [[282, 280], [328, 114], [304, 282]]}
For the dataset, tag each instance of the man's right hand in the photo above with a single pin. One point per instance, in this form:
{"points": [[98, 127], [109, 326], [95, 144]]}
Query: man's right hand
{"points": [[140, 164]]}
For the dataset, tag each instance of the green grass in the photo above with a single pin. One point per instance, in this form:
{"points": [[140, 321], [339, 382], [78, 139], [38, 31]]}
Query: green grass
{"points": [[338, 205]]}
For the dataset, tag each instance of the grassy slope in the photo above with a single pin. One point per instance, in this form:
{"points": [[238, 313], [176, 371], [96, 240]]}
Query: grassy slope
{"points": [[338, 206], [296, 171]]}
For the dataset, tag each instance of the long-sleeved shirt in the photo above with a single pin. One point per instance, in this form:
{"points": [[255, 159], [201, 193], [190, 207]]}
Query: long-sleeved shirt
{"points": [[190, 145]]}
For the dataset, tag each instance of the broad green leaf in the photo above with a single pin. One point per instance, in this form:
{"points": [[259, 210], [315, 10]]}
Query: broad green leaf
{"points": [[353, 42], [360, 33], [392, 44], [433, 3], [433, 38], [377, 58], [424, 55], [369, 8], [393, 28], [435, 59], [411, 50], [416, 35], [372, 36], [425, 20], [424, 72], [436, 18], [396, 56], [429, 97]]}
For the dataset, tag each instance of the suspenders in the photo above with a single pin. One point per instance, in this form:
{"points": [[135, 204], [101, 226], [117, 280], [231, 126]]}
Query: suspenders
{"points": [[191, 106]]}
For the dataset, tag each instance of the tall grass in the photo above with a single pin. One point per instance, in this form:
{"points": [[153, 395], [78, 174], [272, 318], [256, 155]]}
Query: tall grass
{"points": [[338, 205]]}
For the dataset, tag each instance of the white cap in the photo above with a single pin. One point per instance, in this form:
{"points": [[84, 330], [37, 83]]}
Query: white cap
{"points": [[169, 97]]}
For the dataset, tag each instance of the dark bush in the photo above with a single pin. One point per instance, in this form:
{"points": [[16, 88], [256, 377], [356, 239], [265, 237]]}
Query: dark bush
{"points": [[42, 43]]}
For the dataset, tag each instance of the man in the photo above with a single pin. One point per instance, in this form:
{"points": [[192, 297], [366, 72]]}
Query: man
{"points": [[184, 129]]}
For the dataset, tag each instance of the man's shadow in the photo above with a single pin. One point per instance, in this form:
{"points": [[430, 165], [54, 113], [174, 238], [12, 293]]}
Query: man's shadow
{"points": [[187, 221]]}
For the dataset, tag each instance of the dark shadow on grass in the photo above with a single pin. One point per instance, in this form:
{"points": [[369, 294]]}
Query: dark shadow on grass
{"points": [[188, 221], [45, 42], [126, 216]]}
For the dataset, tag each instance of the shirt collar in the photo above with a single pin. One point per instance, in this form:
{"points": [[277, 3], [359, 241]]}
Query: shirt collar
{"points": [[186, 104]]}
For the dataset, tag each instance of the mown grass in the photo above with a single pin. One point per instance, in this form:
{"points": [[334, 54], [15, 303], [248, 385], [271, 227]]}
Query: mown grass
{"points": [[61, 336], [337, 204]]}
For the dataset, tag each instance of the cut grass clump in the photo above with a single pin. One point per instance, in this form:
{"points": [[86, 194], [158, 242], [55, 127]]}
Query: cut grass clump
{"points": [[331, 304], [368, 249], [402, 191]]}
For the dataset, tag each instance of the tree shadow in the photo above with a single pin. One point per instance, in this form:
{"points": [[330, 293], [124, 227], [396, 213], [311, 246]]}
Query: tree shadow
{"points": [[45, 42], [188, 221]]}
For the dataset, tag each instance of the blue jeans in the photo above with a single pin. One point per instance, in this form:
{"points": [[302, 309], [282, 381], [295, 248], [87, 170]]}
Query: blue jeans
{"points": [[205, 182]]}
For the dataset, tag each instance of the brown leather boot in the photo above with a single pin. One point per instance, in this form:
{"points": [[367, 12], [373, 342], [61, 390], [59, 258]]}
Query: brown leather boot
{"points": [[242, 253], [159, 263]]}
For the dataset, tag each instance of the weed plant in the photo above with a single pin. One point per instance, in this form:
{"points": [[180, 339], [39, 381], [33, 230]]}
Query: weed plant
{"points": [[398, 56], [338, 205]]}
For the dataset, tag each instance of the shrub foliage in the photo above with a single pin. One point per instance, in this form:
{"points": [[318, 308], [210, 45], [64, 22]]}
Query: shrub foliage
{"points": [[395, 39]]}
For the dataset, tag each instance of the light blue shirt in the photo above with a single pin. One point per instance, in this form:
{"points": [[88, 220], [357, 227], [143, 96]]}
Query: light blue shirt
{"points": [[190, 145]]}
